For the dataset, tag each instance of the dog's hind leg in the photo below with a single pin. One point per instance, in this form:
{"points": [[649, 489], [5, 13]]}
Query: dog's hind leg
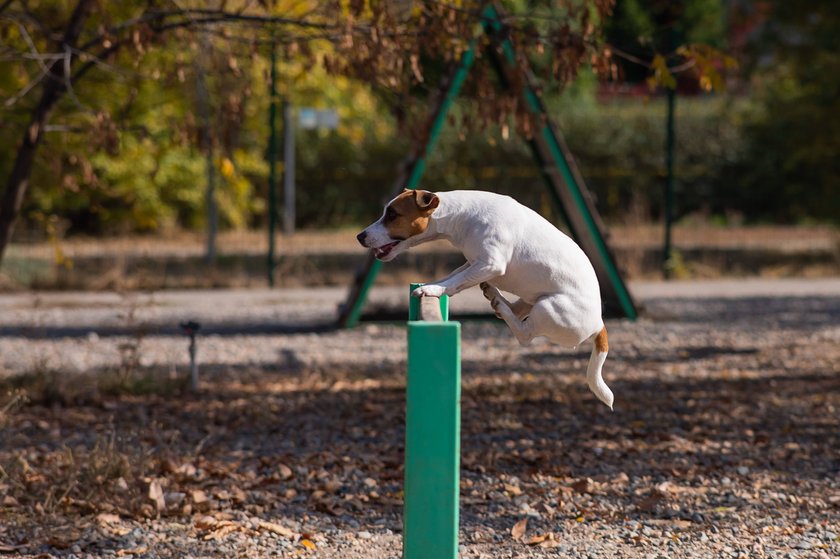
{"points": [[510, 313], [521, 308], [556, 318]]}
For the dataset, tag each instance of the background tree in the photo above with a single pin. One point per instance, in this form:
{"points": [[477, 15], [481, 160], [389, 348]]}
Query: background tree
{"points": [[788, 168], [645, 32], [55, 50]]}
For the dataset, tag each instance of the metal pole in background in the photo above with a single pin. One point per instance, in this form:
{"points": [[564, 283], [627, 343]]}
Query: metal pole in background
{"points": [[667, 262], [210, 196], [288, 169], [669, 184], [272, 166]]}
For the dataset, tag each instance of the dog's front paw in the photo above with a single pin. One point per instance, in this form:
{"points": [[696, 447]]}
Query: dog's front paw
{"points": [[430, 290]]}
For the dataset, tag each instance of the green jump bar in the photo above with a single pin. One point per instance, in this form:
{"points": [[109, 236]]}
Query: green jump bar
{"points": [[432, 440]]}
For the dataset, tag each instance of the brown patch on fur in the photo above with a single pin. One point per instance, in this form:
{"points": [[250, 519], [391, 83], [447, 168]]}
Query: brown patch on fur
{"points": [[413, 209], [601, 342]]}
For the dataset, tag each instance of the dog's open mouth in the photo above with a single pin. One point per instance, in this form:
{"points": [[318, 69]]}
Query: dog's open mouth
{"points": [[384, 250]]}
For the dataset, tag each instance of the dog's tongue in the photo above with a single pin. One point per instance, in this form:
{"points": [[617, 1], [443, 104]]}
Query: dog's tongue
{"points": [[385, 249]]}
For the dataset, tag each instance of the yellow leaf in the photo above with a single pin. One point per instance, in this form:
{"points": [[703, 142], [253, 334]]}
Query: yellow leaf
{"points": [[308, 544], [227, 169]]}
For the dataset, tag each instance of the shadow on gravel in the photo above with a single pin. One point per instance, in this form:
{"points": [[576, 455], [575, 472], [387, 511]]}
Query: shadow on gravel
{"points": [[341, 435], [233, 329]]}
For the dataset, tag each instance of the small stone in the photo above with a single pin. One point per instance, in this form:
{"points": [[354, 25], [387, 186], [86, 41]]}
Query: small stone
{"points": [[743, 470], [76, 549], [364, 535], [174, 498]]}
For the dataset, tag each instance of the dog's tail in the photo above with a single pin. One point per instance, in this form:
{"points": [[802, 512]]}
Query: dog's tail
{"points": [[593, 370]]}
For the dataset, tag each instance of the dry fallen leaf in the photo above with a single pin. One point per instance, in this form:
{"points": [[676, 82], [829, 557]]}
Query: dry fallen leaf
{"points": [[543, 540], [205, 522], [156, 495], [649, 503], [107, 518], [200, 499], [534, 540], [284, 471], [222, 530], [276, 528], [132, 551], [238, 495], [518, 530], [308, 544], [583, 485]]}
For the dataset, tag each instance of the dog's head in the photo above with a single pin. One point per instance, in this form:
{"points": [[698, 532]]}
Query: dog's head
{"points": [[405, 217]]}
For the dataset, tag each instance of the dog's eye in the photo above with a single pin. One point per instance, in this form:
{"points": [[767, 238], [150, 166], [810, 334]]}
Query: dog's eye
{"points": [[390, 214]]}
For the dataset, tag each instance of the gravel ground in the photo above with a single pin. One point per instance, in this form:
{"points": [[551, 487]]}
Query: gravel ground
{"points": [[725, 440]]}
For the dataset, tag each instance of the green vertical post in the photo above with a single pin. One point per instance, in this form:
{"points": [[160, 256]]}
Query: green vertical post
{"points": [[272, 166], [432, 440]]}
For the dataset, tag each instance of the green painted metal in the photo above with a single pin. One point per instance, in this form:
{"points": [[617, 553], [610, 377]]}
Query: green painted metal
{"points": [[584, 226], [492, 24], [432, 440], [414, 304], [608, 263], [358, 297]]}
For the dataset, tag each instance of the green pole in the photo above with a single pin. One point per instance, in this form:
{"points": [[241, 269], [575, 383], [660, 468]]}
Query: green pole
{"points": [[272, 165], [432, 440]]}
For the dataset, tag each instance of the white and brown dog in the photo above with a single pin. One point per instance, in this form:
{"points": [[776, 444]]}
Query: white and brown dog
{"points": [[508, 247]]}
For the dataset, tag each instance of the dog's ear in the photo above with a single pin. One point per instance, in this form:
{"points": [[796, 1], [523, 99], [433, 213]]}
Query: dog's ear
{"points": [[426, 200]]}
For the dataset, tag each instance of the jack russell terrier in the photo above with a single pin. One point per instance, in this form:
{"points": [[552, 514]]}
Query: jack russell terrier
{"points": [[508, 247]]}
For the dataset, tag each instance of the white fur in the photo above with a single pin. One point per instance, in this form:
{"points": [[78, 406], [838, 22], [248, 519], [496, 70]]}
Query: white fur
{"points": [[510, 247]]}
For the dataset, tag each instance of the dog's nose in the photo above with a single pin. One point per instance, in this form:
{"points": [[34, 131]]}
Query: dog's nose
{"points": [[361, 237]]}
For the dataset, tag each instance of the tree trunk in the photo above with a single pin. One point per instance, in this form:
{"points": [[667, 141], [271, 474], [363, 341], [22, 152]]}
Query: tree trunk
{"points": [[54, 86]]}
